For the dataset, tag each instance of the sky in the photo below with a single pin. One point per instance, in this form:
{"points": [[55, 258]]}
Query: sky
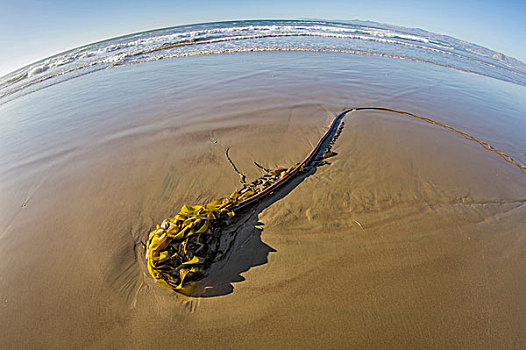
{"points": [[31, 30]]}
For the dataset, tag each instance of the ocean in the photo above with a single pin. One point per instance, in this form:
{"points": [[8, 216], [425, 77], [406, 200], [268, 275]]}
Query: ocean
{"points": [[410, 236]]}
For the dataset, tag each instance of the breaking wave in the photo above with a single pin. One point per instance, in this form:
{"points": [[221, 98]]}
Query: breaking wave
{"points": [[351, 37]]}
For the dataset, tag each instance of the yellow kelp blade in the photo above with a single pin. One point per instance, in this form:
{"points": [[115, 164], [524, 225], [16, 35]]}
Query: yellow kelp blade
{"points": [[174, 246]]}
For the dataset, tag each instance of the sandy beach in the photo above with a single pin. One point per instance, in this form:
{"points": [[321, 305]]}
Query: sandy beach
{"points": [[411, 236]]}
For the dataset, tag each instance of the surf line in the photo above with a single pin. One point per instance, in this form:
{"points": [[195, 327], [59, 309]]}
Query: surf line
{"points": [[180, 250]]}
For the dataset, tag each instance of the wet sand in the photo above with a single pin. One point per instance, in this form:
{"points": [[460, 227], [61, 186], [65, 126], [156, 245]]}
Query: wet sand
{"points": [[412, 236]]}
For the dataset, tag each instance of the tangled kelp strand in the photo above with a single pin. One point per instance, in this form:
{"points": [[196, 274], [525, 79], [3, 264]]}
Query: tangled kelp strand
{"points": [[464, 134], [181, 249]]}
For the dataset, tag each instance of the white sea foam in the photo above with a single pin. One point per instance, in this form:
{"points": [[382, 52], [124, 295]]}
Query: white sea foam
{"points": [[174, 42], [37, 70]]}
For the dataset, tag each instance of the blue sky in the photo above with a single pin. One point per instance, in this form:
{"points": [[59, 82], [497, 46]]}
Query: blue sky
{"points": [[35, 29]]}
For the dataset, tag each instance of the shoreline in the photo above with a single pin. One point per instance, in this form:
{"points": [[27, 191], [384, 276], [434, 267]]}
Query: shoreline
{"points": [[411, 237]]}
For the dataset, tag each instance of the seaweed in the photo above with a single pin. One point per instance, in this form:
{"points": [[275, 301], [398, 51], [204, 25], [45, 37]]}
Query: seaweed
{"points": [[181, 249]]}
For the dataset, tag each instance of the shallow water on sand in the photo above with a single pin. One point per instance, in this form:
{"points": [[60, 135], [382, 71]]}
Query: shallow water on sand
{"points": [[412, 236]]}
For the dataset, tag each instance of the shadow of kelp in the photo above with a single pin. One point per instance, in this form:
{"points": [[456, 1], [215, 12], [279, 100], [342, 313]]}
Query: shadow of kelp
{"points": [[247, 249]]}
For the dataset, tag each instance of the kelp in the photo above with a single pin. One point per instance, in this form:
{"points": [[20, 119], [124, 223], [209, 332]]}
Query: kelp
{"points": [[181, 249], [464, 134]]}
